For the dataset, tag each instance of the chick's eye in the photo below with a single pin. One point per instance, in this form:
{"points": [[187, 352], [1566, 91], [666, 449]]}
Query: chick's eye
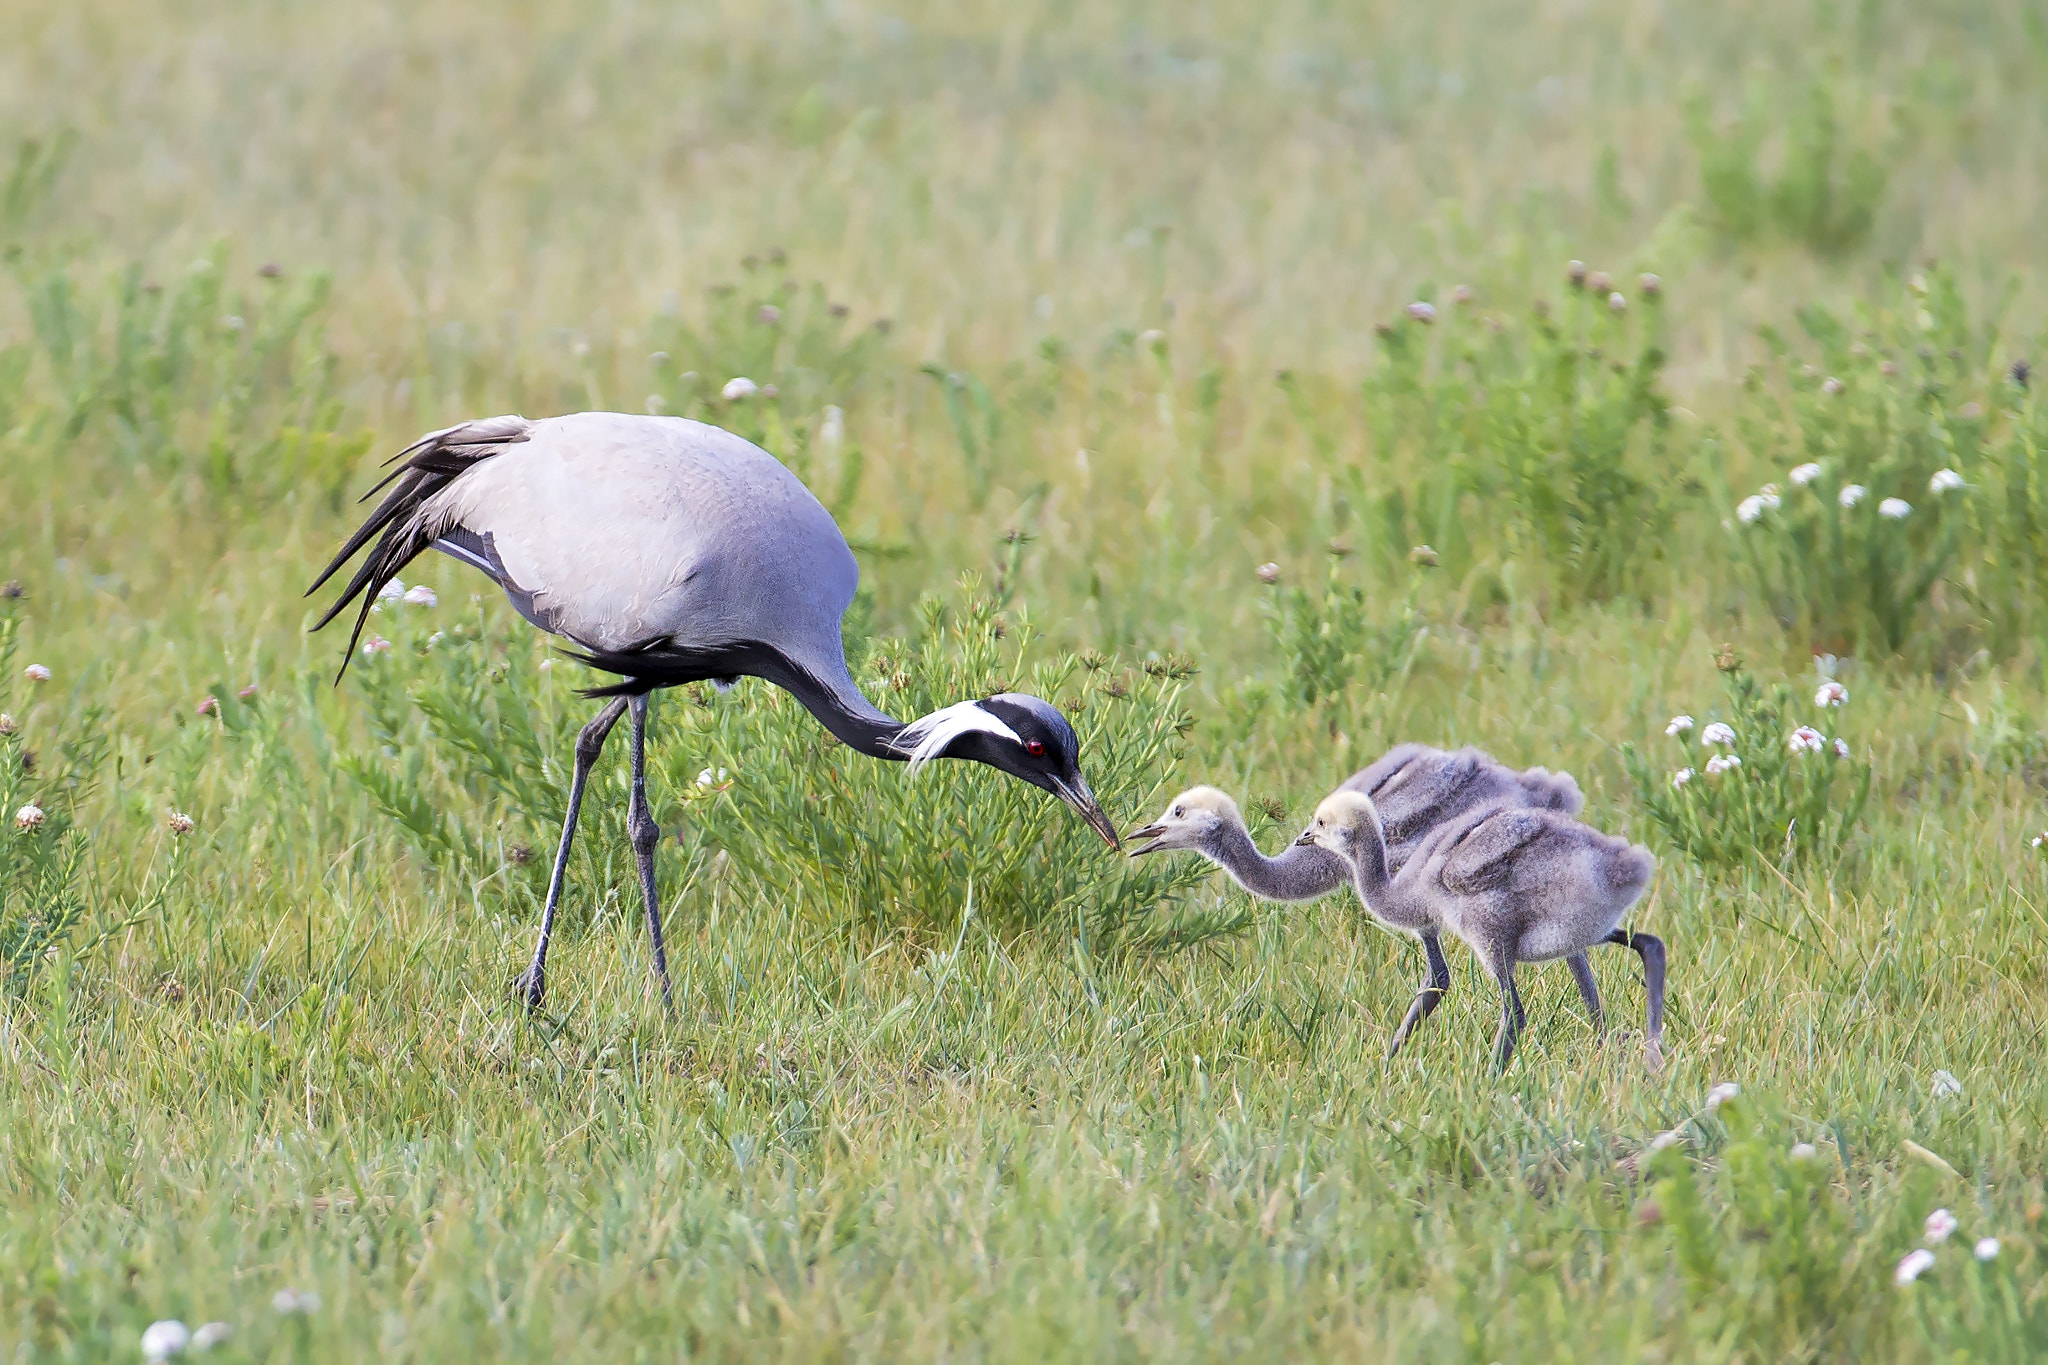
{"points": [[1034, 748], [1178, 812]]}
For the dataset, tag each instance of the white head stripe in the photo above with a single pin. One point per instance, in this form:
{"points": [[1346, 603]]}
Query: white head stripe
{"points": [[927, 737]]}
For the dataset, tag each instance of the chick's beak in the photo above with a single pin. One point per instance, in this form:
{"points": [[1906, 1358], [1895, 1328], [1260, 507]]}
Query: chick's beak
{"points": [[1307, 839], [1077, 795], [1148, 832]]}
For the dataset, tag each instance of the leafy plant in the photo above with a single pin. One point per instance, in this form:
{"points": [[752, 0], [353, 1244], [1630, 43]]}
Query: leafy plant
{"points": [[870, 843], [237, 388], [1825, 190], [1767, 1248], [1328, 639], [1881, 497], [45, 894], [1551, 434], [1764, 786], [802, 362]]}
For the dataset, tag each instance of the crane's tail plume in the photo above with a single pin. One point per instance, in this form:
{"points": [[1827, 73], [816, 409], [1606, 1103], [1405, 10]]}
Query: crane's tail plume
{"points": [[430, 465]]}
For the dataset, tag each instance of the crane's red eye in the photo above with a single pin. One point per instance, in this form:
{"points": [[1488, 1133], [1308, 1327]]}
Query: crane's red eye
{"points": [[1034, 748]]}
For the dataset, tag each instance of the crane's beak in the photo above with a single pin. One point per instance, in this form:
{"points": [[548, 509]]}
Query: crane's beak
{"points": [[1149, 832], [1077, 795]]}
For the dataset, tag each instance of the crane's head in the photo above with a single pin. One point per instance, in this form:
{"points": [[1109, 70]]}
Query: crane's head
{"points": [[1193, 820], [1024, 736], [1341, 823]]}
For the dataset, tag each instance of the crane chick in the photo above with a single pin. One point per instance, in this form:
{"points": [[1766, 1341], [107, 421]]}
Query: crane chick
{"points": [[1417, 788], [1516, 885]]}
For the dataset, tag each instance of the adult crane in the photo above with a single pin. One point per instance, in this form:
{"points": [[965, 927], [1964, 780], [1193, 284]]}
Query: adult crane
{"points": [[669, 552]]}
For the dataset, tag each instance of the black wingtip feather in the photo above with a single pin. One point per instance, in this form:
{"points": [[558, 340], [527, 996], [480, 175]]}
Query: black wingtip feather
{"points": [[429, 465]]}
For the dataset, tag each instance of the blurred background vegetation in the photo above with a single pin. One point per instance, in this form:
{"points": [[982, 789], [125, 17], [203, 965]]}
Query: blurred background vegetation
{"points": [[1504, 337]]}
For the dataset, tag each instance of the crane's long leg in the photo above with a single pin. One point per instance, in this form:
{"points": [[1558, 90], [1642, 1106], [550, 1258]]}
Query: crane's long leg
{"points": [[589, 744], [646, 834], [1511, 1015], [1589, 989], [1651, 949], [1429, 997]]}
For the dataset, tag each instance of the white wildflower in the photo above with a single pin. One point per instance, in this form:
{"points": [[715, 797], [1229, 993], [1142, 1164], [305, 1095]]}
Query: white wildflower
{"points": [[376, 644], [1749, 509], [1718, 732], [36, 673], [1650, 285], [28, 817], [209, 1335], [1851, 494], [298, 1300], [1944, 480], [1722, 1093], [1831, 386], [1804, 474], [1913, 1266], [1806, 740], [1670, 1138], [1986, 1248], [1830, 693], [1681, 777], [1722, 763], [234, 323], [1616, 303], [656, 405], [394, 591], [707, 779], [738, 388], [420, 595], [1898, 509], [1150, 337], [1943, 1085], [162, 1340], [7, 725], [1804, 1151], [1422, 312], [1841, 748], [1678, 726], [179, 822], [1939, 1225], [832, 432], [436, 638], [1269, 573]]}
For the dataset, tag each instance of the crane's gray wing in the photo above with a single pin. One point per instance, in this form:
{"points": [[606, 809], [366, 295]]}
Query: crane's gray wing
{"points": [[631, 532], [1551, 791], [1483, 857], [1396, 762]]}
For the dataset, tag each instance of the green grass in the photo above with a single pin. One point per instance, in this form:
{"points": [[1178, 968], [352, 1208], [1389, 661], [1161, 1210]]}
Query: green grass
{"points": [[942, 1080]]}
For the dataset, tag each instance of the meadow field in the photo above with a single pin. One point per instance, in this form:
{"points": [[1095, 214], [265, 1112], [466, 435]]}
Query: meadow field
{"points": [[1266, 384]]}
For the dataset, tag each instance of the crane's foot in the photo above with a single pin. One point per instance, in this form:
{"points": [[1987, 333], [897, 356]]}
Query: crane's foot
{"points": [[530, 987]]}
